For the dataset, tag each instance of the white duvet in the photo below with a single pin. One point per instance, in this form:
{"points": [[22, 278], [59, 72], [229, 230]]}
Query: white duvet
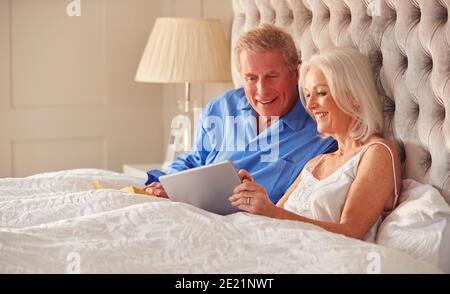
{"points": [[56, 223]]}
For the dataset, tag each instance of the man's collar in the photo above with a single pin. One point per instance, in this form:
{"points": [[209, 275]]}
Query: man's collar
{"points": [[244, 104], [295, 118]]}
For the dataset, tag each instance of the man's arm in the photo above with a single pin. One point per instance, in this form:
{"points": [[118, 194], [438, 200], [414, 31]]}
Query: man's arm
{"points": [[188, 160], [197, 156], [191, 159]]}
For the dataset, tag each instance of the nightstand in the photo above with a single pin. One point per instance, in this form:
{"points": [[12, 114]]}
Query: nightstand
{"points": [[140, 170]]}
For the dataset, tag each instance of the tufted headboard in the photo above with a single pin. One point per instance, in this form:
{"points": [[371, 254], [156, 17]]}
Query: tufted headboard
{"points": [[408, 44]]}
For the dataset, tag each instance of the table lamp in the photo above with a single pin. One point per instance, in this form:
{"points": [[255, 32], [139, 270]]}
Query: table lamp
{"points": [[185, 50]]}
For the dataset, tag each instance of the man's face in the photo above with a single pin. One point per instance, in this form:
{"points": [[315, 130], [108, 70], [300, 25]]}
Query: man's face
{"points": [[268, 83]]}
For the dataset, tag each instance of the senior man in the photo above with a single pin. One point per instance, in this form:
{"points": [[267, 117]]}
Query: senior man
{"points": [[270, 134]]}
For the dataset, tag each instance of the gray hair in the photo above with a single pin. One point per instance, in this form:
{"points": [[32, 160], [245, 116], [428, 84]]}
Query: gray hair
{"points": [[264, 38], [352, 86]]}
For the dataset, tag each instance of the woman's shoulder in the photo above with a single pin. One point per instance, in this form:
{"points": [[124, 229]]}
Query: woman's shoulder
{"points": [[383, 164], [375, 150], [380, 143]]}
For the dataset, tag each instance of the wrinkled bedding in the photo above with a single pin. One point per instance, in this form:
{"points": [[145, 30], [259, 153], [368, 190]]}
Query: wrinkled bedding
{"points": [[57, 223]]}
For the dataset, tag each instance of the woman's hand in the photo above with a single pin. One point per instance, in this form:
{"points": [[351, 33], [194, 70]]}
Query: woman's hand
{"points": [[250, 196], [156, 189]]}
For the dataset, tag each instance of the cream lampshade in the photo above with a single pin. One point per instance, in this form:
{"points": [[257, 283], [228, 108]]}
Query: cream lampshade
{"points": [[185, 50]]}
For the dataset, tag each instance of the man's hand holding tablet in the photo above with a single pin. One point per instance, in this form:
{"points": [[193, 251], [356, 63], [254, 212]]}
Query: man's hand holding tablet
{"points": [[207, 187]]}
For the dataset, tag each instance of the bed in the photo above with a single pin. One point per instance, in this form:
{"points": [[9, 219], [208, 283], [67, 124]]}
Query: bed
{"points": [[57, 223]]}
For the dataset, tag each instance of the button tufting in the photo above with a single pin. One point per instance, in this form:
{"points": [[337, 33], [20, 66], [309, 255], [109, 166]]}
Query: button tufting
{"points": [[441, 114], [327, 15], [290, 15], [426, 160], [401, 150], [404, 62], [308, 17], [257, 15], [347, 14], [378, 57], [429, 66], [415, 111], [394, 14], [388, 106], [417, 15], [444, 15]]}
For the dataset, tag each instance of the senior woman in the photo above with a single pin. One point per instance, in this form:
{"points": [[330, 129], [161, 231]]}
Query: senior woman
{"points": [[348, 191]]}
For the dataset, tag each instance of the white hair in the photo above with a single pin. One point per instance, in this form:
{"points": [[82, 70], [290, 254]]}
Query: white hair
{"points": [[352, 86]]}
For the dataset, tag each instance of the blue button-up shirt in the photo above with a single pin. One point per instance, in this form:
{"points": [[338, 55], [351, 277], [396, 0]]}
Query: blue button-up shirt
{"points": [[274, 157]]}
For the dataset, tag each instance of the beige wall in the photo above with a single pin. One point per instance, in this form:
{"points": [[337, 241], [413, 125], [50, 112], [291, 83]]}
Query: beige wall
{"points": [[67, 94], [220, 9]]}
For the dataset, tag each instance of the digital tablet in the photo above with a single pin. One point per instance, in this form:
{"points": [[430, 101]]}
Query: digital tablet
{"points": [[207, 187]]}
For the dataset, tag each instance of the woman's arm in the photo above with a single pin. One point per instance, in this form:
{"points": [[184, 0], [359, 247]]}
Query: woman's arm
{"points": [[372, 188], [365, 201], [372, 191]]}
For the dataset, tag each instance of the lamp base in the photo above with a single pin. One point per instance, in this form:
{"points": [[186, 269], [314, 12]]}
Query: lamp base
{"points": [[180, 138], [182, 128]]}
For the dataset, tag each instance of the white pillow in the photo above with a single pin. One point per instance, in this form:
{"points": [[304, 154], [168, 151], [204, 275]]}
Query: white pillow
{"points": [[419, 225]]}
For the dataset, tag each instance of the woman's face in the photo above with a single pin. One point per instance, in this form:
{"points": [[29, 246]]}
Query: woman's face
{"points": [[331, 120]]}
